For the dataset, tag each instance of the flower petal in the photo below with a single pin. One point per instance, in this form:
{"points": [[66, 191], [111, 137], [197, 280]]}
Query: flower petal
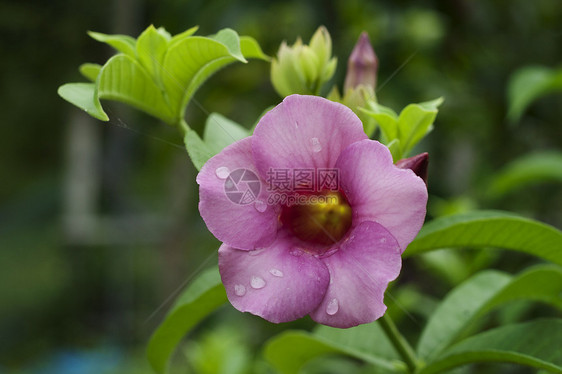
{"points": [[273, 283], [379, 191], [227, 199], [359, 274], [304, 132]]}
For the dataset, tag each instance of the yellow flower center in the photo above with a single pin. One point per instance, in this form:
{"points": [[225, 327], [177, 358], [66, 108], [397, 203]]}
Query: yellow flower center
{"points": [[321, 218]]}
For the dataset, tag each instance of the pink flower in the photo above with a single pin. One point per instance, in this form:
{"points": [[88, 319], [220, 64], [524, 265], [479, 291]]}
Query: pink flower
{"points": [[332, 256]]}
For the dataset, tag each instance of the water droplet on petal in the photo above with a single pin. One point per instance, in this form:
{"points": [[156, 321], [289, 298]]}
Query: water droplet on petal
{"points": [[257, 282], [222, 172], [297, 252], [239, 290], [383, 240], [276, 272], [332, 307], [315, 144], [260, 206]]}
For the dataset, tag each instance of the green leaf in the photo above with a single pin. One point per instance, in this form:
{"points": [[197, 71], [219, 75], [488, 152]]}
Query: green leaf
{"points": [[432, 104], [447, 264], [482, 229], [535, 344], [197, 150], [394, 148], [533, 168], [123, 43], [83, 95], [367, 339], [527, 85], [90, 71], [187, 33], [386, 118], [480, 294], [162, 31], [415, 121], [221, 132], [188, 63], [151, 49], [201, 298], [231, 40], [251, 49], [301, 347], [123, 79]]}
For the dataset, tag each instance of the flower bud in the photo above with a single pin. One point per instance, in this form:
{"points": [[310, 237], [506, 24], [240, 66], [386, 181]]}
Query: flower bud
{"points": [[301, 68], [362, 65], [418, 164]]}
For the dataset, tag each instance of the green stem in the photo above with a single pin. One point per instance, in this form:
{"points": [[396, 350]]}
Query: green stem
{"points": [[399, 342], [183, 126]]}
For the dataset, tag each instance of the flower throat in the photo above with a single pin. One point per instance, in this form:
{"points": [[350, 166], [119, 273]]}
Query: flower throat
{"points": [[319, 218]]}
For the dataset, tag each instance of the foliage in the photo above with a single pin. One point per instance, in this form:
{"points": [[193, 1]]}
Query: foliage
{"points": [[157, 73], [402, 132], [528, 84], [456, 315]]}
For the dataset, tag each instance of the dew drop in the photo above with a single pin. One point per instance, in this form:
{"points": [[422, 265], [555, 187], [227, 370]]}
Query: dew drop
{"points": [[316, 146], [239, 290], [297, 252], [257, 282], [332, 307], [222, 172], [260, 206], [383, 240], [276, 272]]}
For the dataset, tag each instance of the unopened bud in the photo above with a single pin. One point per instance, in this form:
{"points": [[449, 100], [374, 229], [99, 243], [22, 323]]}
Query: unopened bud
{"points": [[303, 69], [418, 164], [362, 65]]}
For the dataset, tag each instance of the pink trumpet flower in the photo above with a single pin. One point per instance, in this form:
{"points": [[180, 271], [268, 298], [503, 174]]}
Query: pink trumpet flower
{"points": [[312, 214]]}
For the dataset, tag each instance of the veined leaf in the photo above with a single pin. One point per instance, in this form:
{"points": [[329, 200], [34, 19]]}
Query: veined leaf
{"points": [[83, 95], [535, 344], [231, 40], [90, 71], [201, 298], [480, 294], [187, 33], [122, 43], [386, 118], [188, 63], [123, 79], [414, 122], [533, 168], [527, 85], [221, 131], [368, 339], [303, 347], [481, 229], [197, 149], [151, 49], [251, 49]]}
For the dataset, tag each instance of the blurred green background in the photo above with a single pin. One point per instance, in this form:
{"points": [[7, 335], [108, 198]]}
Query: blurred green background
{"points": [[99, 222]]}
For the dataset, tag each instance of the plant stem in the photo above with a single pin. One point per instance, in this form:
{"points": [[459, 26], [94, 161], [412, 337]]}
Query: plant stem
{"points": [[399, 342], [183, 126]]}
